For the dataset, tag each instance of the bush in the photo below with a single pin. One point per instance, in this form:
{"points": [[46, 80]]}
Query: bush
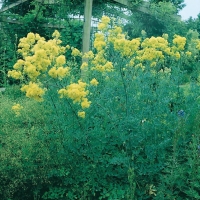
{"points": [[126, 127]]}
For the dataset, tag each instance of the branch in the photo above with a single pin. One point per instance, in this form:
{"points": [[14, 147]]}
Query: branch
{"points": [[12, 5]]}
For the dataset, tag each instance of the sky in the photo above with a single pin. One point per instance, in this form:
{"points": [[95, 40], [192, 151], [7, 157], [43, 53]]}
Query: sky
{"points": [[192, 9]]}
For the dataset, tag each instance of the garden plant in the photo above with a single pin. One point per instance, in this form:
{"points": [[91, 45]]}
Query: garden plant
{"points": [[119, 122]]}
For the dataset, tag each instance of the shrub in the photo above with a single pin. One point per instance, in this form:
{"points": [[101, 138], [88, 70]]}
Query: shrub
{"points": [[126, 127]]}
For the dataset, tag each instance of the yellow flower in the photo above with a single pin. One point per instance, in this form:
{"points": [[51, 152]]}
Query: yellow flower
{"points": [[17, 108], [88, 55], [40, 53], [56, 34], [99, 45], [62, 72], [105, 19], [75, 52], [153, 64], [37, 37], [31, 38], [62, 92], [85, 103], [177, 55], [94, 82], [99, 42], [188, 53], [117, 30], [15, 74], [75, 91], [84, 65], [126, 47], [67, 47], [104, 23], [179, 42], [60, 60], [158, 43], [53, 72], [99, 59], [108, 66], [33, 91], [31, 71], [81, 114], [102, 26]]}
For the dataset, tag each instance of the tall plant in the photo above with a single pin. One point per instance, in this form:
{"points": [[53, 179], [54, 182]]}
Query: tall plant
{"points": [[119, 133]]}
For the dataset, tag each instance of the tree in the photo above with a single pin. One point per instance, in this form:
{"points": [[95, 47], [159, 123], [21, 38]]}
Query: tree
{"points": [[179, 4], [193, 24], [162, 18]]}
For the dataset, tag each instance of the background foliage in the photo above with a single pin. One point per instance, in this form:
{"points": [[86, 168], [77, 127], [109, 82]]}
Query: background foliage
{"points": [[140, 137]]}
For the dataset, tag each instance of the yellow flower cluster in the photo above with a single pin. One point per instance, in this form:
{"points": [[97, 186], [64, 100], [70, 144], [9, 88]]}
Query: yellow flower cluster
{"points": [[158, 43], [140, 51], [59, 72], [127, 47], [88, 55], [17, 108], [179, 46], [149, 54], [84, 66], [26, 43], [179, 43], [33, 90], [41, 58], [74, 91], [104, 23], [56, 34], [77, 93], [38, 55], [75, 52], [15, 74], [115, 33], [188, 53], [99, 42], [81, 114], [94, 82], [101, 64]]}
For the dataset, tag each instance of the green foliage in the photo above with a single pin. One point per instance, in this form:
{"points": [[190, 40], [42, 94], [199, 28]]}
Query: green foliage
{"points": [[194, 24], [179, 4], [161, 18], [139, 140], [7, 58]]}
